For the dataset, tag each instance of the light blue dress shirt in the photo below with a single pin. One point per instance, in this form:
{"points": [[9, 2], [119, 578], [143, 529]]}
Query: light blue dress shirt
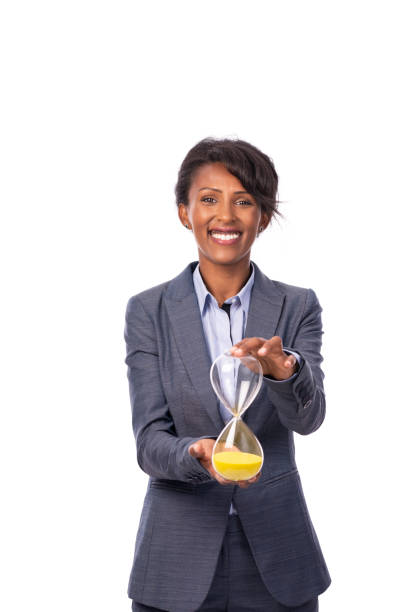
{"points": [[222, 331]]}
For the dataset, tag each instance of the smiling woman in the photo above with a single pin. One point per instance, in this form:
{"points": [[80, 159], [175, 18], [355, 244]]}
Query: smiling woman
{"points": [[225, 224], [218, 215], [250, 544]]}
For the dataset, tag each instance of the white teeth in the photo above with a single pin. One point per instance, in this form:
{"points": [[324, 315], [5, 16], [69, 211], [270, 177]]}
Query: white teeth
{"points": [[224, 236]]}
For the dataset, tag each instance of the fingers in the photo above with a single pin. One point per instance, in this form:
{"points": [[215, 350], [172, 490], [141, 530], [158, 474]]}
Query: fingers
{"points": [[219, 478], [271, 347], [273, 359], [223, 481], [258, 346], [290, 362], [195, 450], [202, 449], [241, 483], [244, 484]]}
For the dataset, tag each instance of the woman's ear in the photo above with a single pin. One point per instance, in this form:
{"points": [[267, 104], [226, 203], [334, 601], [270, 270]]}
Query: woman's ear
{"points": [[182, 212], [265, 220]]}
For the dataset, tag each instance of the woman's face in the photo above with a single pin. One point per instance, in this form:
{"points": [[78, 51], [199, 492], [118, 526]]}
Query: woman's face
{"points": [[218, 201]]}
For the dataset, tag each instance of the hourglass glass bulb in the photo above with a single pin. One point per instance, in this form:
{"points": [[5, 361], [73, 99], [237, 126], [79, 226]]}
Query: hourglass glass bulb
{"points": [[236, 381], [237, 453]]}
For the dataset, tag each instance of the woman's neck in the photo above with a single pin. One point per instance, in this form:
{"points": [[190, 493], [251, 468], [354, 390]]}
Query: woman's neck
{"points": [[224, 281]]}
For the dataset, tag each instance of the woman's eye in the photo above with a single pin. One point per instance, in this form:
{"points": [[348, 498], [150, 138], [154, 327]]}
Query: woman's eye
{"points": [[244, 202]]}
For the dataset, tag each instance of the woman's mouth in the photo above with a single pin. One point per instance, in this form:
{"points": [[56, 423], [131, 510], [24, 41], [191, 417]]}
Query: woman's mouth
{"points": [[224, 238]]}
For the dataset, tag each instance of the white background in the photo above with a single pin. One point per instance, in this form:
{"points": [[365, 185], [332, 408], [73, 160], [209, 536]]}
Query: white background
{"points": [[100, 103]]}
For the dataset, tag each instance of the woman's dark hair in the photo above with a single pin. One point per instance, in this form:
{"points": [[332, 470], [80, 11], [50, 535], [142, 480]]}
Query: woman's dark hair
{"points": [[253, 168]]}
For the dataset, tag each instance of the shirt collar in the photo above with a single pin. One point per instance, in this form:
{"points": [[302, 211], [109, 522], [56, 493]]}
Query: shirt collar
{"points": [[204, 296]]}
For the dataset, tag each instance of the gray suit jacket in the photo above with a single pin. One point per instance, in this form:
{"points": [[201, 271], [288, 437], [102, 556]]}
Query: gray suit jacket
{"points": [[185, 511]]}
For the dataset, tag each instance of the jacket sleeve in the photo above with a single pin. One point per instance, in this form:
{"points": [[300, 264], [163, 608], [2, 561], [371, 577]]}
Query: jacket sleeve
{"points": [[300, 400], [160, 452]]}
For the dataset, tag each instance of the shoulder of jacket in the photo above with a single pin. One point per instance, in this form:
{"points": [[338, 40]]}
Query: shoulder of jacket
{"points": [[149, 297], [298, 297], [291, 290]]}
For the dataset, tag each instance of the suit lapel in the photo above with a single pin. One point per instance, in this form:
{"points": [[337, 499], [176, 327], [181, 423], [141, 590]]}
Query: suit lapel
{"points": [[182, 305], [189, 335]]}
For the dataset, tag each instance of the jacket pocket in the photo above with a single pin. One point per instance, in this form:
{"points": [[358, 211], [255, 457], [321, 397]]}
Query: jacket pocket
{"points": [[173, 485], [279, 477]]}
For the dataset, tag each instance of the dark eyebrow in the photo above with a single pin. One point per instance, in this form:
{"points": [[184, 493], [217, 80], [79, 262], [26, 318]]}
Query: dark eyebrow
{"points": [[220, 190]]}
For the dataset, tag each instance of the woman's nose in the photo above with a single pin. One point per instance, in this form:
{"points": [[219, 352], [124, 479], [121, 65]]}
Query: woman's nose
{"points": [[226, 210]]}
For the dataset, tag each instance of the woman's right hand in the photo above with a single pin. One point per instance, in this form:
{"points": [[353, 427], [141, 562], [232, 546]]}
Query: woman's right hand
{"points": [[202, 450]]}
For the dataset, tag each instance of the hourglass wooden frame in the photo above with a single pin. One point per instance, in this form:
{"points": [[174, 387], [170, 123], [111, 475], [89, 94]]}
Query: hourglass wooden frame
{"points": [[236, 382]]}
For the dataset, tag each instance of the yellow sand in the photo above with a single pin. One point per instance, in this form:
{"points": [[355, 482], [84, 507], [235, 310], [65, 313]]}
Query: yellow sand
{"points": [[234, 465]]}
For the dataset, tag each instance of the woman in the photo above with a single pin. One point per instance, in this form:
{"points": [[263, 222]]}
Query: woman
{"points": [[205, 543]]}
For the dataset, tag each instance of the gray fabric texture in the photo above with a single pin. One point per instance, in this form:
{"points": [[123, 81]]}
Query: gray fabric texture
{"points": [[237, 585], [185, 512]]}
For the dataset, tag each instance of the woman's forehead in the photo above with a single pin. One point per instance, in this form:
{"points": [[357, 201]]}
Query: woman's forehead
{"points": [[215, 175]]}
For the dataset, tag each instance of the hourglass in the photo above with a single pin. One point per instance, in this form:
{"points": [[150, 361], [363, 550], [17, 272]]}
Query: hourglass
{"points": [[237, 453]]}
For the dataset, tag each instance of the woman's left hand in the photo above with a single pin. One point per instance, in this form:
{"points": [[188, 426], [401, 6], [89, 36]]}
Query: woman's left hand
{"points": [[274, 361]]}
